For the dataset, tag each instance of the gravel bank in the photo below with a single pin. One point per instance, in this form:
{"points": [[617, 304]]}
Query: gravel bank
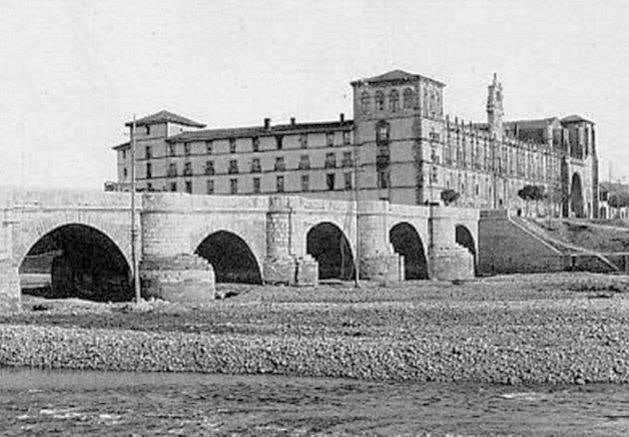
{"points": [[482, 331]]}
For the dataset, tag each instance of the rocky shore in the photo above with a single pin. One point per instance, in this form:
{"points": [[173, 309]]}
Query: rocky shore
{"points": [[554, 329]]}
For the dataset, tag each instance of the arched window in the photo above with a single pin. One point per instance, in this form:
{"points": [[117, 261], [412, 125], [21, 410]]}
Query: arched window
{"points": [[409, 98], [364, 102], [379, 100], [394, 100]]}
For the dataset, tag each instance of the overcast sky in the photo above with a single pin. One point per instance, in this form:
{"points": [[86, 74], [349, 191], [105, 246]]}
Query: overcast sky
{"points": [[72, 72]]}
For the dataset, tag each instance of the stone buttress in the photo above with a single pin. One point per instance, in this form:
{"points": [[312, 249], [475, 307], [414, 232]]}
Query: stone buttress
{"points": [[447, 260]]}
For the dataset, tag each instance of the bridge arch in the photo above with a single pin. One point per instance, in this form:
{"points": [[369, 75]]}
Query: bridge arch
{"points": [[407, 242], [82, 261], [576, 195], [328, 244], [232, 258], [465, 238]]}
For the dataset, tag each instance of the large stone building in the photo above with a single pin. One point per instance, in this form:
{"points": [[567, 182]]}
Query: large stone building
{"points": [[408, 152]]}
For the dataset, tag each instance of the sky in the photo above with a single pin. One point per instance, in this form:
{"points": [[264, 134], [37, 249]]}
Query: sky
{"points": [[73, 72]]}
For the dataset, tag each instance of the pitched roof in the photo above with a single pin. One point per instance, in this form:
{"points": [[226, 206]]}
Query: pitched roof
{"points": [[260, 131], [575, 119], [163, 117], [396, 76], [121, 146]]}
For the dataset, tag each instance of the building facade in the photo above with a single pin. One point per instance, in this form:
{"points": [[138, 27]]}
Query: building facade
{"points": [[399, 147]]}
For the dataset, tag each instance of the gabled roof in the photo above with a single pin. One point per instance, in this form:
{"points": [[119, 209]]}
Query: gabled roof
{"points": [[575, 119], [396, 76], [165, 117], [260, 131]]}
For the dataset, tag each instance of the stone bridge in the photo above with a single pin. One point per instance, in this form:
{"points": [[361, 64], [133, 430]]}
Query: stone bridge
{"points": [[185, 241]]}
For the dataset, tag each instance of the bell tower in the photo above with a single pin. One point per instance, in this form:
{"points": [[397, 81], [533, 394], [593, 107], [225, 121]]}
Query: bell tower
{"points": [[495, 109]]}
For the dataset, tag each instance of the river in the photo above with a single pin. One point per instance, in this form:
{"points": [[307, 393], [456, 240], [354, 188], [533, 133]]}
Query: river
{"points": [[107, 403]]}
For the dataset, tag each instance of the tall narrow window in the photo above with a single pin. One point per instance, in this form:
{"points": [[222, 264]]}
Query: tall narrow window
{"points": [[364, 102], [279, 142], [210, 186], [172, 169], [279, 164], [187, 169], [379, 100], [233, 186], [383, 179], [304, 162], [148, 129], [208, 147], [256, 185], [147, 152], [346, 138], [347, 159], [303, 141], [173, 186], [330, 181], [124, 172], [189, 187], [149, 172], [329, 139], [394, 100], [330, 160], [408, 98], [279, 184], [255, 144], [305, 182], [186, 149], [232, 145], [172, 151], [209, 168], [233, 166], [255, 165], [348, 181]]}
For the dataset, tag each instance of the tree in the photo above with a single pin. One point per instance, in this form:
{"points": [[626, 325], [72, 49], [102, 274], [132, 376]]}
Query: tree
{"points": [[449, 196], [526, 193]]}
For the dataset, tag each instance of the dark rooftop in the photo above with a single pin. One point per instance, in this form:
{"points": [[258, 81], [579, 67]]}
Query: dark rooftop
{"points": [[165, 117], [396, 76], [260, 131], [575, 119]]}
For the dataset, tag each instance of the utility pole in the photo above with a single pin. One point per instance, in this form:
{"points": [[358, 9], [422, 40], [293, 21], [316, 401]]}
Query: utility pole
{"points": [[357, 241], [134, 257]]}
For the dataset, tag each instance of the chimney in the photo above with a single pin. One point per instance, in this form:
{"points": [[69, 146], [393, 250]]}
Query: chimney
{"points": [[342, 117], [292, 121], [267, 123]]}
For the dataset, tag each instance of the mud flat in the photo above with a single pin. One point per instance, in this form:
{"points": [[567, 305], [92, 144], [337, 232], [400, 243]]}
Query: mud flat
{"points": [[522, 329]]}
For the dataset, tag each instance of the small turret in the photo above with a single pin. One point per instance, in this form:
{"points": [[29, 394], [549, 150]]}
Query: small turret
{"points": [[495, 109]]}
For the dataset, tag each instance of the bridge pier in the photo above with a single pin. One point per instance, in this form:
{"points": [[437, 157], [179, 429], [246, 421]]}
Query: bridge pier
{"points": [[168, 269], [378, 260], [447, 260], [9, 278]]}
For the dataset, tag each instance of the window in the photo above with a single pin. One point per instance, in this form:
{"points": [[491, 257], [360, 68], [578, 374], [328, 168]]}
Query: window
{"points": [[408, 98], [187, 169], [124, 154], [330, 160], [279, 184], [303, 141], [255, 144], [172, 169], [329, 180], [347, 159], [383, 179], [124, 172], [255, 165], [148, 129], [173, 186], [304, 162], [256, 185], [233, 186], [346, 138], [189, 187], [149, 173], [434, 136], [364, 102], [210, 186], [186, 149], [232, 145], [394, 100], [305, 182], [279, 164], [348, 181], [209, 168], [279, 143], [329, 139], [147, 152], [434, 174], [379, 100], [172, 151], [233, 166], [382, 132], [149, 187], [208, 147]]}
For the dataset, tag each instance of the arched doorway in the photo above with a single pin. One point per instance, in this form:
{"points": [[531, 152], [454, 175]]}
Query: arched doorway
{"points": [[464, 237], [576, 196], [328, 245], [231, 257], [79, 261], [407, 242]]}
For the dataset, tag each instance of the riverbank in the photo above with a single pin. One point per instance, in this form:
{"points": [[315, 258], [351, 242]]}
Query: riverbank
{"points": [[521, 329]]}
